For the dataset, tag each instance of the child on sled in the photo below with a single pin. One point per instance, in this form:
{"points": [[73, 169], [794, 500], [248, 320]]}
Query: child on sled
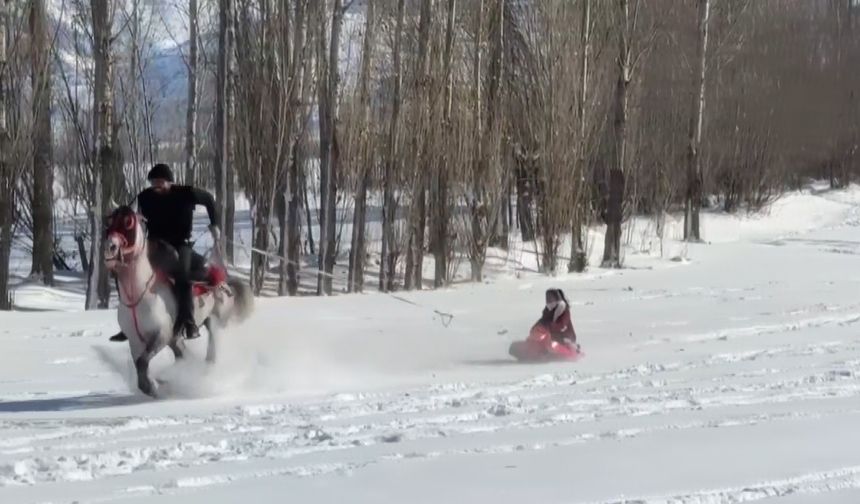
{"points": [[556, 318]]}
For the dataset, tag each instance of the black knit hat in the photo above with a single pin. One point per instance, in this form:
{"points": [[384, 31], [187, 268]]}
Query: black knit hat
{"points": [[160, 171], [558, 294]]}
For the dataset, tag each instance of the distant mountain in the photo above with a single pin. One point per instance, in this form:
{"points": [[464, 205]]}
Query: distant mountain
{"points": [[166, 42]]}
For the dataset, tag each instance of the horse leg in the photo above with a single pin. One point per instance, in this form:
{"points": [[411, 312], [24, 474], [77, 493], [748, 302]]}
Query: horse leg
{"points": [[211, 349], [178, 347], [144, 382]]}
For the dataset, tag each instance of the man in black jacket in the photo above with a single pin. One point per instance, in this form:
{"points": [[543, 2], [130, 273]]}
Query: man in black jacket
{"points": [[169, 213]]}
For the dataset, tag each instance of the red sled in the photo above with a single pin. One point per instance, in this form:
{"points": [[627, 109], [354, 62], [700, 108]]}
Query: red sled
{"points": [[540, 347]]}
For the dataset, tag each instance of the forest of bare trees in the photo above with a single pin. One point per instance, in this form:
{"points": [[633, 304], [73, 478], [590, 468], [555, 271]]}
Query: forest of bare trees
{"points": [[369, 138]]}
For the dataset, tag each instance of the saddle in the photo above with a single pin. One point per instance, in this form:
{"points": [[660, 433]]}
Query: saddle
{"points": [[216, 276], [213, 277], [205, 277]]}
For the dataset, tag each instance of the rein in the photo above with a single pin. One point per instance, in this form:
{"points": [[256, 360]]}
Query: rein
{"points": [[130, 266]]}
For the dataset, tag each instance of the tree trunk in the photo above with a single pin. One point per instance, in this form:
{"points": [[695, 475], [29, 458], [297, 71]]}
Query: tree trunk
{"points": [[694, 161], [418, 213], [487, 145], [6, 175], [223, 172], [191, 113], [230, 211], [389, 205], [439, 187], [357, 249], [328, 78], [230, 165], [838, 171], [304, 182], [495, 225], [98, 293], [6, 218], [614, 211], [291, 235], [325, 140], [525, 198], [43, 232], [578, 259], [477, 205], [294, 223], [500, 231]]}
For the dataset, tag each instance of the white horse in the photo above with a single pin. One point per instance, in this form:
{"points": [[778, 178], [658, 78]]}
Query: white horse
{"points": [[147, 307]]}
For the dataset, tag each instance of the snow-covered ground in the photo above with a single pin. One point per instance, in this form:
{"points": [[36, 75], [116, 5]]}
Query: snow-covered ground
{"points": [[729, 376]]}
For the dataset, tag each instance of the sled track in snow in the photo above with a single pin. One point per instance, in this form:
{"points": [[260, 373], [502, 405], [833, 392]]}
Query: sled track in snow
{"points": [[464, 419], [808, 484]]}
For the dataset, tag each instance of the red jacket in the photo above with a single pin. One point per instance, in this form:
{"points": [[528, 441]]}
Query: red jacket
{"points": [[559, 325]]}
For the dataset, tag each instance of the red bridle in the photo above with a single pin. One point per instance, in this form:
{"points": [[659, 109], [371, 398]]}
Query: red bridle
{"points": [[123, 228]]}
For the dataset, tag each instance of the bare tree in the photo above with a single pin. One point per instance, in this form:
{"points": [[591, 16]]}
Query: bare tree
{"points": [[329, 79], [42, 200], [358, 248], [389, 206], [476, 207], [191, 113], [421, 133], [616, 177], [578, 257], [439, 185], [694, 168], [486, 184], [223, 171], [298, 166], [7, 175], [297, 113], [98, 291]]}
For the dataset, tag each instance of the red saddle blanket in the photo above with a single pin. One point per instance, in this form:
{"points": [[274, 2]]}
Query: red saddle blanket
{"points": [[215, 276]]}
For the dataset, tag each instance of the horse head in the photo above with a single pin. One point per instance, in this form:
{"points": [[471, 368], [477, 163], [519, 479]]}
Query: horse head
{"points": [[124, 237]]}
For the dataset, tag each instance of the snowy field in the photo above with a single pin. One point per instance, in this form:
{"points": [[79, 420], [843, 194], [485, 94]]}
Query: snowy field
{"points": [[730, 376]]}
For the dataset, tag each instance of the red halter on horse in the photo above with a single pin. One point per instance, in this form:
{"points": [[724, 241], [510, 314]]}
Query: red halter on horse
{"points": [[123, 243]]}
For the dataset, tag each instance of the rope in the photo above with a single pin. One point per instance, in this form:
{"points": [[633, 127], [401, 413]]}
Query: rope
{"points": [[445, 317]]}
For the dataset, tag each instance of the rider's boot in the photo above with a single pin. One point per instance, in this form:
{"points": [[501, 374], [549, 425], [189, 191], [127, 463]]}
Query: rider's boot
{"points": [[118, 337]]}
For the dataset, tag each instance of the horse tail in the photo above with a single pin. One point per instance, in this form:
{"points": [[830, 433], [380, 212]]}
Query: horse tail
{"points": [[243, 299]]}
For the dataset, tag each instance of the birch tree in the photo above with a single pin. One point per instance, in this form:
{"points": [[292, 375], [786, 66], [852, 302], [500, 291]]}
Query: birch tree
{"points": [[694, 162]]}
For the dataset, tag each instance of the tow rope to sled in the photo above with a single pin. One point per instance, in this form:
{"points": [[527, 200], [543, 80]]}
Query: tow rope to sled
{"points": [[445, 317]]}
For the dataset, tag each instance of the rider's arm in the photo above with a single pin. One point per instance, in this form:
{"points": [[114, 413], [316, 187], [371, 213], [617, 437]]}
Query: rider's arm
{"points": [[567, 326], [206, 199], [135, 203]]}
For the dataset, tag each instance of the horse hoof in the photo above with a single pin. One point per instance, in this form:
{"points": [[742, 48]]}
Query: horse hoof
{"points": [[148, 388]]}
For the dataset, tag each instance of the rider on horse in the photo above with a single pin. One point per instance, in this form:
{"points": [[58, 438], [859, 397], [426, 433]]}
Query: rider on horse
{"points": [[169, 212]]}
